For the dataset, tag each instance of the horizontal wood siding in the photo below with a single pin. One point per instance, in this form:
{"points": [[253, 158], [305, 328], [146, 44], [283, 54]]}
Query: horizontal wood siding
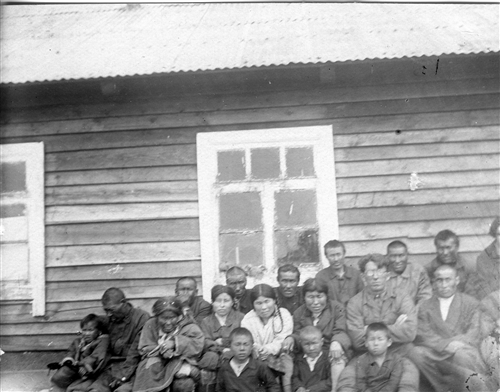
{"points": [[121, 186]]}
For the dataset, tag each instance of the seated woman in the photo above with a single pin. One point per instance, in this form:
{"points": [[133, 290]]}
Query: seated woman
{"points": [[329, 317], [269, 326], [170, 345], [217, 327]]}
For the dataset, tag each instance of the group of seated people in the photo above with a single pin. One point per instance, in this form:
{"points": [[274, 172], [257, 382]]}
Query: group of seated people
{"points": [[386, 326]]}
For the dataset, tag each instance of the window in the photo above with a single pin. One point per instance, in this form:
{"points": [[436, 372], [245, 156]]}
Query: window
{"points": [[267, 198], [22, 234]]}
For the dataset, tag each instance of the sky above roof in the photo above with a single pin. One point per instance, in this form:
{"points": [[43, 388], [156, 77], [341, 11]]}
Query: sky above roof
{"points": [[60, 42]]}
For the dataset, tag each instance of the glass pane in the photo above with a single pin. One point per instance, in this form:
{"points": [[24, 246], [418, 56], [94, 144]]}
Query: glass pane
{"points": [[240, 211], [12, 210], [265, 163], [13, 177], [244, 250], [14, 262], [299, 162], [231, 165], [14, 229], [299, 246], [295, 208]]}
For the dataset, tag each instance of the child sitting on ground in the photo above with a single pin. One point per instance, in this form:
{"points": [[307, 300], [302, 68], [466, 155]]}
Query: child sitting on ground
{"points": [[378, 370], [312, 371], [243, 373], [86, 357]]}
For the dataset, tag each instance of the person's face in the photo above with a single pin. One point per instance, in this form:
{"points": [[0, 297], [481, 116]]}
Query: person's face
{"points": [[398, 257], [90, 332], [168, 321], [377, 342], [312, 344], [447, 251], [315, 301], [241, 346], [114, 310], [186, 291], [375, 278], [336, 257], [237, 282], [288, 281], [445, 282], [222, 304], [264, 307]]}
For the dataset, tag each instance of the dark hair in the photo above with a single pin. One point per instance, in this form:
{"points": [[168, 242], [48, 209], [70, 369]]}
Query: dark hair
{"points": [[114, 295], [494, 227], [240, 331], [442, 267], [397, 244], [186, 278], [313, 284], [264, 290], [220, 289], [445, 235], [235, 270], [289, 268], [99, 322], [171, 304], [333, 244], [377, 258], [309, 330], [375, 327]]}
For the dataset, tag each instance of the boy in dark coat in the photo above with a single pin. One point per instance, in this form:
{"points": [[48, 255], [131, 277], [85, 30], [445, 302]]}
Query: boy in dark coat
{"points": [[243, 373], [312, 371]]}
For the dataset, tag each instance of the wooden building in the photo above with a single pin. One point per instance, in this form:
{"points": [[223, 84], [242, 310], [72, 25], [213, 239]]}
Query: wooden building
{"points": [[414, 125]]}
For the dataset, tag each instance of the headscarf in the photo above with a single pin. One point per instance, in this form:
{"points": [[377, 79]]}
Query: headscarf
{"points": [[171, 304], [220, 289]]}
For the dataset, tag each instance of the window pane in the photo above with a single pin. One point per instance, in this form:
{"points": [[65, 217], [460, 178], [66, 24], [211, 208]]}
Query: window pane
{"points": [[231, 165], [13, 177], [296, 208], [240, 211], [14, 229], [299, 162], [299, 246], [14, 262], [12, 210], [244, 250], [265, 163]]}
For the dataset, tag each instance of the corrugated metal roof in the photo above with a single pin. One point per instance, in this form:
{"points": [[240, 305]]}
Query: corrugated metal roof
{"points": [[56, 42]]}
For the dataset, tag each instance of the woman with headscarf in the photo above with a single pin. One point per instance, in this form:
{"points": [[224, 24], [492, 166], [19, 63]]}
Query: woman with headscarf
{"points": [[170, 345], [217, 327]]}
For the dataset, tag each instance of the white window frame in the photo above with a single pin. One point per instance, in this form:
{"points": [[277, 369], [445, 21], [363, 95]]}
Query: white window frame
{"points": [[208, 144], [33, 155]]}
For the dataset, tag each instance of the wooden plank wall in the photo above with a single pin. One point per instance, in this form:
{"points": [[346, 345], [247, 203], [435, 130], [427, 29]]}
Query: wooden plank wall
{"points": [[121, 191]]}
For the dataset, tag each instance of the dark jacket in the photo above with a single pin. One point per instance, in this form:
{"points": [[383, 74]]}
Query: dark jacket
{"points": [[332, 324], [371, 377], [243, 304], [341, 289], [319, 380], [124, 339], [290, 304], [255, 377], [213, 330]]}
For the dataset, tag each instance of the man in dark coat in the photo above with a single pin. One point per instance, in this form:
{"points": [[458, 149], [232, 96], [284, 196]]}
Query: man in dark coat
{"points": [[448, 336], [236, 278], [447, 244], [288, 292], [125, 326], [195, 306]]}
